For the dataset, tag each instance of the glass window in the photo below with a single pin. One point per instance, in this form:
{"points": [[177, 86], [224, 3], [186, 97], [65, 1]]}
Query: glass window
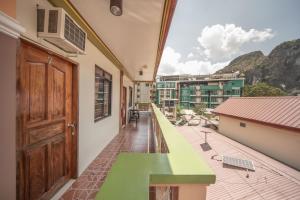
{"points": [[103, 87]]}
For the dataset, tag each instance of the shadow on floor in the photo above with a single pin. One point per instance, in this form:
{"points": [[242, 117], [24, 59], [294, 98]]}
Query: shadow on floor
{"points": [[205, 147]]}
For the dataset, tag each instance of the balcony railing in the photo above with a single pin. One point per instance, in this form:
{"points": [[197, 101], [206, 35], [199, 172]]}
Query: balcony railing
{"points": [[174, 171]]}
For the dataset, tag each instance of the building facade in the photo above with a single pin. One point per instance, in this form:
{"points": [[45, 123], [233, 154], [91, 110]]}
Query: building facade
{"points": [[187, 90], [254, 120], [144, 94]]}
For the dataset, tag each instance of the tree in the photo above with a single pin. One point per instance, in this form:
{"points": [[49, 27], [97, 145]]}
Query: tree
{"points": [[262, 89], [178, 110], [200, 109]]}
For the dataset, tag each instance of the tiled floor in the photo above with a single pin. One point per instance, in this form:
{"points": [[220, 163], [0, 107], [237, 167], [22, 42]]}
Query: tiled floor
{"points": [[271, 179], [131, 139]]}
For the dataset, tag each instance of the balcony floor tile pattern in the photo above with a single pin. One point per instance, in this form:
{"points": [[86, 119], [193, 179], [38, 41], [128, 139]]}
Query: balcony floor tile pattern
{"points": [[133, 138], [271, 179]]}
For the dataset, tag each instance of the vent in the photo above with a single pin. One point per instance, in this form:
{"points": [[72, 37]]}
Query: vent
{"points": [[53, 20], [246, 164], [40, 20], [74, 34], [58, 28], [242, 124]]}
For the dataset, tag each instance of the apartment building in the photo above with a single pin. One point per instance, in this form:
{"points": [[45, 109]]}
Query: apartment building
{"points": [[144, 94], [190, 90], [167, 95]]}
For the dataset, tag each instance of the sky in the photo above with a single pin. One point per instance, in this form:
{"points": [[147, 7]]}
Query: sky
{"points": [[205, 35]]}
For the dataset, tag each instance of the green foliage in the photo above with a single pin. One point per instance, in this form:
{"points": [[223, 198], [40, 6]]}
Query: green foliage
{"points": [[178, 110], [262, 89], [200, 109]]}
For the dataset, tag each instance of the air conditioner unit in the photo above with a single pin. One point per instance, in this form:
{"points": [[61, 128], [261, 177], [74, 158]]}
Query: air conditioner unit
{"points": [[57, 27]]}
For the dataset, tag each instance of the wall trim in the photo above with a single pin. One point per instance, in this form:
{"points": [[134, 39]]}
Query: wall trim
{"points": [[10, 26], [168, 13]]}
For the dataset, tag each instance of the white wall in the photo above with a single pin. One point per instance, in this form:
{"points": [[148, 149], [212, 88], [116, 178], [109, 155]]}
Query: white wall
{"points": [[93, 137], [281, 144], [8, 47]]}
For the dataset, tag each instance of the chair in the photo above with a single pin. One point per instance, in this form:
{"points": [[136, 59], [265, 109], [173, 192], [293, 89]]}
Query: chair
{"points": [[134, 115]]}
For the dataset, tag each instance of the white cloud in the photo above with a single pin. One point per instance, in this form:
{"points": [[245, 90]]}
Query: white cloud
{"points": [[170, 57], [190, 55], [217, 45], [222, 42], [171, 64]]}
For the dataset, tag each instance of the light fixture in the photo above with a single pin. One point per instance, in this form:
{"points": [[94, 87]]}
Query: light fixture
{"points": [[116, 7]]}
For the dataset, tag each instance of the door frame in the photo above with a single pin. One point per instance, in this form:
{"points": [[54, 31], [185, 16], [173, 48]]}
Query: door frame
{"points": [[75, 114], [124, 93]]}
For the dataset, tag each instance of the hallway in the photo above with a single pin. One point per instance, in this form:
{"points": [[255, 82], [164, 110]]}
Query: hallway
{"points": [[131, 139]]}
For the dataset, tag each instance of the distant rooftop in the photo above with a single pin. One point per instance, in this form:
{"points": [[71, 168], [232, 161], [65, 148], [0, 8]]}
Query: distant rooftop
{"points": [[277, 111]]}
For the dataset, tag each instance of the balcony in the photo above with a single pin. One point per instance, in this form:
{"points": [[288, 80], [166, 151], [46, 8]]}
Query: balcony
{"points": [[145, 161]]}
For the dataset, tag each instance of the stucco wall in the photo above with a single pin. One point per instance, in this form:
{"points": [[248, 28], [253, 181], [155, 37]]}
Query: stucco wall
{"points": [[8, 7], [281, 144], [93, 137], [8, 117]]}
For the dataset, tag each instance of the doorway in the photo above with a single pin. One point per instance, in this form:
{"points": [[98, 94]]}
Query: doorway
{"points": [[47, 122], [124, 106]]}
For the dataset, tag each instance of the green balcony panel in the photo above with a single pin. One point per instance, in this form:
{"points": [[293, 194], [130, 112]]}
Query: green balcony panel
{"points": [[133, 173], [210, 87]]}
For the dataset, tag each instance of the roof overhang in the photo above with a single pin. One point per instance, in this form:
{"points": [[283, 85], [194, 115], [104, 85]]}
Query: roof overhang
{"points": [[135, 41]]}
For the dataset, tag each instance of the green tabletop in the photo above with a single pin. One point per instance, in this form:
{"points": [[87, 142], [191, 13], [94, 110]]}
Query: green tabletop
{"points": [[133, 173]]}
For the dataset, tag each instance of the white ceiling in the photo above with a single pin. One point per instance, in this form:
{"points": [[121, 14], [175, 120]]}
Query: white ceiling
{"points": [[132, 37]]}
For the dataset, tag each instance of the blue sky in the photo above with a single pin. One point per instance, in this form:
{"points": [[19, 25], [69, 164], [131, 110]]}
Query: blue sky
{"points": [[206, 35]]}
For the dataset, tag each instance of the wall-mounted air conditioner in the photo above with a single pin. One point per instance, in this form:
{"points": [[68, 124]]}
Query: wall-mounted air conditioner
{"points": [[57, 27]]}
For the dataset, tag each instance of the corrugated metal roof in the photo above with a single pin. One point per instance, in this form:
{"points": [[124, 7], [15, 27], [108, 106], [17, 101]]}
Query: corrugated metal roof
{"points": [[271, 179], [278, 111]]}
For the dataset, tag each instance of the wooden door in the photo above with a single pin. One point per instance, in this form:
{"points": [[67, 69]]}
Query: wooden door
{"points": [[124, 106], [45, 133]]}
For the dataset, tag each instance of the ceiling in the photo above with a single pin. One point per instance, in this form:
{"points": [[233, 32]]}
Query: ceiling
{"points": [[133, 37]]}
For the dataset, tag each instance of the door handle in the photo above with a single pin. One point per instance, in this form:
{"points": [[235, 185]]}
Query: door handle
{"points": [[72, 126]]}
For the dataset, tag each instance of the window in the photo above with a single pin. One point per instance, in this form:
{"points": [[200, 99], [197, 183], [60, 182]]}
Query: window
{"points": [[214, 92], [169, 103], [103, 86], [242, 124], [147, 84], [130, 97], [214, 99]]}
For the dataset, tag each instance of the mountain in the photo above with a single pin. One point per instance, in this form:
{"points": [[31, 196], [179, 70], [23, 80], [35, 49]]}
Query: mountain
{"points": [[281, 68], [244, 63]]}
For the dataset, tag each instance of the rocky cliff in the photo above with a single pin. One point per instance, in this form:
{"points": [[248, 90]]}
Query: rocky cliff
{"points": [[281, 68]]}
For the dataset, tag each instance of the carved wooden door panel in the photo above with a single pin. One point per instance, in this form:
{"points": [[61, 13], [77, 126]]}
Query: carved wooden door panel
{"points": [[44, 137]]}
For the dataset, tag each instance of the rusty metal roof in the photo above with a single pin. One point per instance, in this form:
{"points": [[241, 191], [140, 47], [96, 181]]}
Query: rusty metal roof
{"points": [[277, 111]]}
